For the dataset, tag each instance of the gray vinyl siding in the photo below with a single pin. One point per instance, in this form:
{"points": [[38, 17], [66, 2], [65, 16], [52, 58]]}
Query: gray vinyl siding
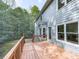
{"points": [[68, 12], [48, 16], [53, 17]]}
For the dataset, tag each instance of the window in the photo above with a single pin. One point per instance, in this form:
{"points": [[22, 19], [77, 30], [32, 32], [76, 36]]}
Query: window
{"points": [[40, 31], [49, 32], [72, 32], [44, 32], [60, 3], [68, 1], [61, 32], [61, 28], [72, 27]]}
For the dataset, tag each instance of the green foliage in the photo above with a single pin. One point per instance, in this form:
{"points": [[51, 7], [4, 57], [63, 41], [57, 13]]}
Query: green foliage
{"points": [[16, 21], [34, 13], [3, 6], [34, 10], [4, 48]]}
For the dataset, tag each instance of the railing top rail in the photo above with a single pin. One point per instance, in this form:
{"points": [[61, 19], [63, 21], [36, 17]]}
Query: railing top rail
{"points": [[10, 53]]}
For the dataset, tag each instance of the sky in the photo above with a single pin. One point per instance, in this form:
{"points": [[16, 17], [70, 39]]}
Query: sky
{"points": [[27, 4]]}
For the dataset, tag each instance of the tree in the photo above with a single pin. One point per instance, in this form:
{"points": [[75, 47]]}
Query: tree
{"points": [[34, 10], [14, 22], [34, 13]]}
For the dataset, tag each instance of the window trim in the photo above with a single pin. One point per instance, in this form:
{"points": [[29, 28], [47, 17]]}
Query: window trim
{"points": [[60, 32], [65, 37], [63, 5], [71, 23]]}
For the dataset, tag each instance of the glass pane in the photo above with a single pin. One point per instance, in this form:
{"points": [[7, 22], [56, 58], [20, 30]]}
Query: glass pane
{"points": [[61, 36], [72, 27], [61, 28], [49, 32], [68, 1], [72, 38], [60, 3], [44, 32]]}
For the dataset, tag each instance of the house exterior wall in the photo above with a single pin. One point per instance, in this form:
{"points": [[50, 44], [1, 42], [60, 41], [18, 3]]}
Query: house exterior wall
{"points": [[37, 26], [48, 16], [54, 17], [68, 13]]}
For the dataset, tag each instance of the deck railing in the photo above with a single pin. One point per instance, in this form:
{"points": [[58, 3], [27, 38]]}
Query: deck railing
{"points": [[39, 37], [16, 51]]}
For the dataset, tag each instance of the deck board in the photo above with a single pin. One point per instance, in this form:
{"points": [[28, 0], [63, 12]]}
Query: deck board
{"points": [[33, 51], [44, 50]]}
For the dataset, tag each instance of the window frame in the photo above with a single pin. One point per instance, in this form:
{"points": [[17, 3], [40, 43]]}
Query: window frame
{"points": [[59, 4], [50, 34], [44, 32], [60, 32], [76, 33], [65, 35], [65, 3], [70, 24]]}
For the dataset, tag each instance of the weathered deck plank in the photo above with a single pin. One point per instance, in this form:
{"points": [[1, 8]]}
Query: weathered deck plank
{"points": [[33, 51], [44, 50]]}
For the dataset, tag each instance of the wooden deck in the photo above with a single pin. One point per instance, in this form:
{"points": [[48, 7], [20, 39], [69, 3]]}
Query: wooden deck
{"points": [[38, 50], [33, 51], [45, 50]]}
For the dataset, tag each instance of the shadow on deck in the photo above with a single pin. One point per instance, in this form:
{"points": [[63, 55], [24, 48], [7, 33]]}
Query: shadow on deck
{"points": [[38, 50]]}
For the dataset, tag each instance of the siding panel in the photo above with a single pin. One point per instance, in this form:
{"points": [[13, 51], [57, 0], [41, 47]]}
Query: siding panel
{"points": [[68, 12]]}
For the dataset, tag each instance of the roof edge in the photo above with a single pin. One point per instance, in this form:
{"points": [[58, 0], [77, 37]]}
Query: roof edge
{"points": [[46, 5]]}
